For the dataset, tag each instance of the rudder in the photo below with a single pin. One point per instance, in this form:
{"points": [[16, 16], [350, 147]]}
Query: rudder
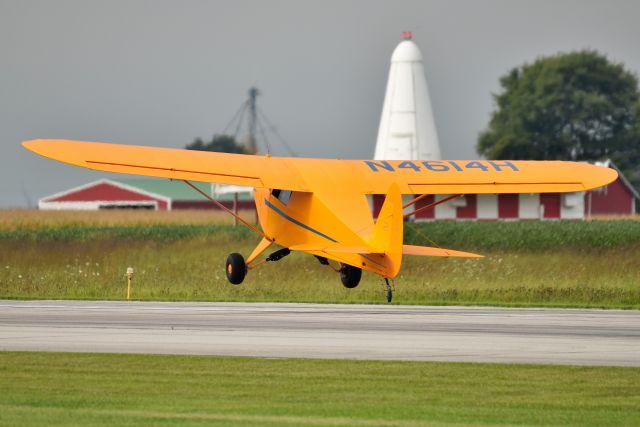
{"points": [[387, 234]]}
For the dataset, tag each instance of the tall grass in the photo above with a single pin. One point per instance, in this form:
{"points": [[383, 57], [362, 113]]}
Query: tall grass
{"points": [[495, 235], [526, 235], [12, 219], [193, 269], [577, 264], [149, 233]]}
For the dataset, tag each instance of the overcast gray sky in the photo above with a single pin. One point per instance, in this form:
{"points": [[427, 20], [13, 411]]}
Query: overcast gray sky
{"points": [[153, 72]]}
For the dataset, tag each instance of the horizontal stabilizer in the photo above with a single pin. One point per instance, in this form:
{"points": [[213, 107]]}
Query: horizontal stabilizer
{"points": [[428, 251], [334, 248]]}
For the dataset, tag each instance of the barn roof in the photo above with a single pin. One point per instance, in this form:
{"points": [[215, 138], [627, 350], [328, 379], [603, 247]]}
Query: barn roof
{"points": [[177, 190], [610, 164], [79, 190], [162, 189]]}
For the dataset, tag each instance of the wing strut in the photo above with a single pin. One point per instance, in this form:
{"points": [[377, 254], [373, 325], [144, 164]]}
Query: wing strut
{"points": [[415, 200], [224, 208], [424, 208]]}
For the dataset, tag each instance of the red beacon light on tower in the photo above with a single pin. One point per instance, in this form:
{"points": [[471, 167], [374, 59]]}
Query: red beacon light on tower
{"points": [[407, 35]]}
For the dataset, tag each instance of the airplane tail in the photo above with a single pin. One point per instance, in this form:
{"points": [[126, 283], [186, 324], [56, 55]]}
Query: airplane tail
{"points": [[387, 233]]}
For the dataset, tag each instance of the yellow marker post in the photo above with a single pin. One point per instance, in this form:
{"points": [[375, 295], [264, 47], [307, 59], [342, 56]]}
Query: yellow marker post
{"points": [[129, 277]]}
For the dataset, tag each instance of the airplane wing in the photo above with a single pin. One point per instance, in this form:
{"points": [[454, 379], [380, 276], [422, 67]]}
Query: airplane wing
{"points": [[223, 168], [313, 175]]}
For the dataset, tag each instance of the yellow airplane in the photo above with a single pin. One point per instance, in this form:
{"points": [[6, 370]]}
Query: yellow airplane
{"points": [[320, 206]]}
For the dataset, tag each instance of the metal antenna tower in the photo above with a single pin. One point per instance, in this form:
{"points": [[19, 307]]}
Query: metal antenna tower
{"points": [[256, 123], [253, 119]]}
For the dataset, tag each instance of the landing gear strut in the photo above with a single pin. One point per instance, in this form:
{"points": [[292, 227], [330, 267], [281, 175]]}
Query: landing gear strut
{"points": [[389, 290]]}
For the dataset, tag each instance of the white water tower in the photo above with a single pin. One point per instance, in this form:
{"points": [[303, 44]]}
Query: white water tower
{"points": [[407, 128]]}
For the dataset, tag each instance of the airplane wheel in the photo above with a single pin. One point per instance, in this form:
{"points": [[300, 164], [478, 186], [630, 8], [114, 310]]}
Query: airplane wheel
{"points": [[236, 268], [350, 276]]}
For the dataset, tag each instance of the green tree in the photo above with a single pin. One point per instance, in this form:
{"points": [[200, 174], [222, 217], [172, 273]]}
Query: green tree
{"points": [[219, 143], [573, 106]]}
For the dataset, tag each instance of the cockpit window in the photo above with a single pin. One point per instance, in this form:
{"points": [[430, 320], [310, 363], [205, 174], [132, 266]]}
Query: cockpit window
{"points": [[282, 195]]}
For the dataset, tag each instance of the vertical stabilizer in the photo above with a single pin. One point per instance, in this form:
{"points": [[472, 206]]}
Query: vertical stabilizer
{"points": [[387, 234]]}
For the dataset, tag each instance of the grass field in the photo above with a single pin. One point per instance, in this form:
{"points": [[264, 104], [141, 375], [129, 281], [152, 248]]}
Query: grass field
{"points": [[101, 389], [13, 219], [85, 255]]}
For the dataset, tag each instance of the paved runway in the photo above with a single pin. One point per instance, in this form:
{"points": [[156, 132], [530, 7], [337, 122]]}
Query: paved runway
{"points": [[550, 336]]}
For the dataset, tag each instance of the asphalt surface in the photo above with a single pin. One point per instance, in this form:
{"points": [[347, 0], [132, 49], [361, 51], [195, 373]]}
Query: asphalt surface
{"points": [[468, 334]]}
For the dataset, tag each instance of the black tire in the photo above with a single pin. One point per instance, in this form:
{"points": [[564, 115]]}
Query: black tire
{"points": [[236, 268], [350, 276]]}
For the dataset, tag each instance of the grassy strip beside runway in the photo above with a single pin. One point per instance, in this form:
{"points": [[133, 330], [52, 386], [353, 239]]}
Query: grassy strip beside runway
{"points": [[193, 270], [562, 264], [105, 389]]}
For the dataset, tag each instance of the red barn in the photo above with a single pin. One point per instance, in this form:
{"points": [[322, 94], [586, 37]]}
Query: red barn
{"points": [[617, 198], [155, 194], [104, 194]]}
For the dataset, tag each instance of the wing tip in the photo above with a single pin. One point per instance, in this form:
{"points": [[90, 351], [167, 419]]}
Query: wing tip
{"points": [[37, 146], [601, 177], [30, 144]]}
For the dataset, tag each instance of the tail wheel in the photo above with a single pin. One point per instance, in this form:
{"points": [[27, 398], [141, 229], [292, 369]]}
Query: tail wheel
{"points": [[350, 276], [236, 268]]}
